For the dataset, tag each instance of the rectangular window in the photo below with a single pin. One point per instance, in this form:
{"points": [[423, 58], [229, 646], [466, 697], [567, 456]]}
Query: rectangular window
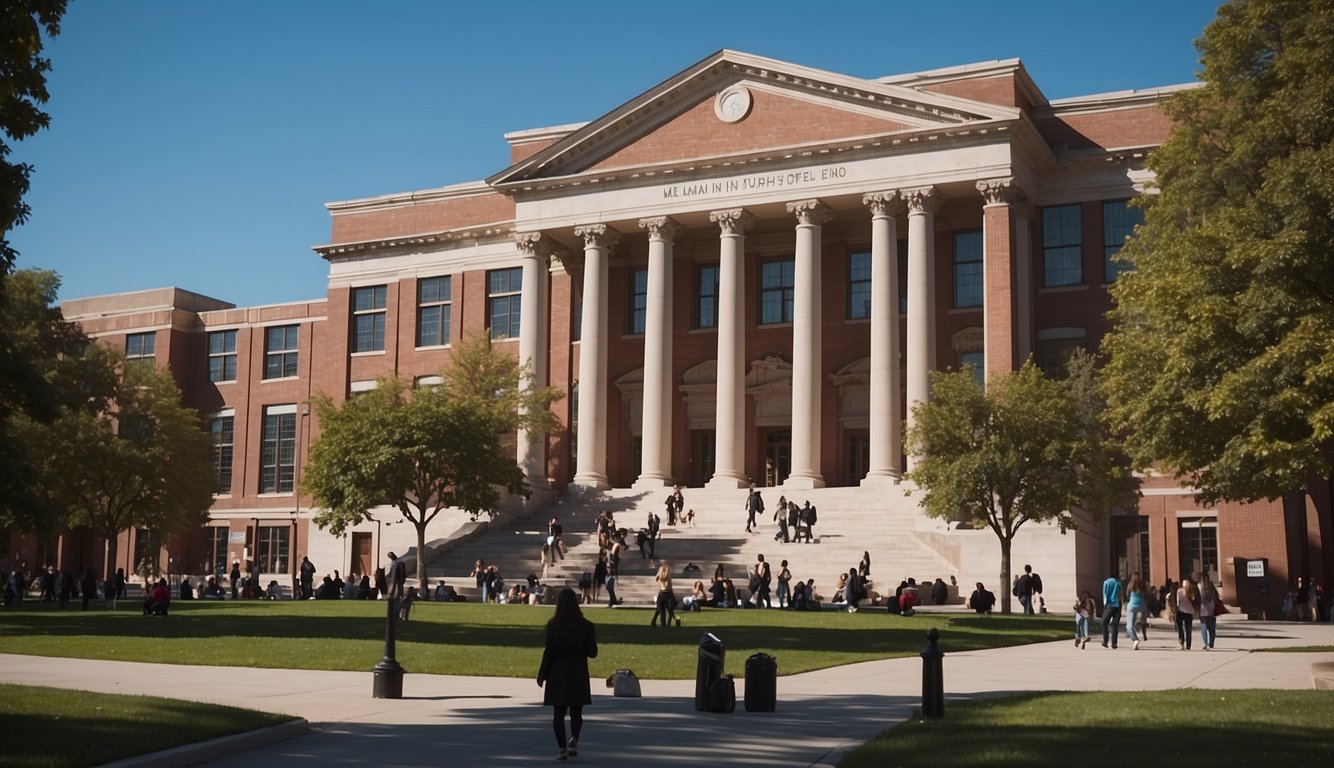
{"points": [[503, 287], [967, 269], [368, 318], [271, 549], [859, 286], [140, 348], [277, 454], [777, 281], [1118, 223], [222, 356], [1197, 539], [706, 296], [1061, 246], [638, 302], [215, 551], [903, 277], [433, 310], [1054, 355], [280, 351], [220, 429]]}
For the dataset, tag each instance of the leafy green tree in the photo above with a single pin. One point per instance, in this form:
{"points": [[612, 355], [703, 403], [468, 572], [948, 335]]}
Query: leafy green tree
{"points": [[22, 89], [1222, 352], [1025, 449], [145, 462], [47, 367], [427, 450]]}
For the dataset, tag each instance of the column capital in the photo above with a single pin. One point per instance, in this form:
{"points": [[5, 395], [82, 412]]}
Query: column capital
{"points": [[597, 235], [733, 221], [1000, 191], [660, 227], [535, 244], [920, 199], [810, 212], [886, 203]]}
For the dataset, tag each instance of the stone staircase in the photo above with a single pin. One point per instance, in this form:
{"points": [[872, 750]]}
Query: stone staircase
{"points": [[880, 521]]}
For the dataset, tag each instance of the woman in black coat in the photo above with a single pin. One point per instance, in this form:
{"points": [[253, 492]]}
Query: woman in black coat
{"points": [[570, 643]]}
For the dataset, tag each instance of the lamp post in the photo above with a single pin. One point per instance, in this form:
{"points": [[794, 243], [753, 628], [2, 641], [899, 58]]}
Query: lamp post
{"points": [[389, 673]]}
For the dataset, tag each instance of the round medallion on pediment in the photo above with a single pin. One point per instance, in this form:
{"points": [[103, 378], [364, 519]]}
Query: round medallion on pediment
{"points": [[733, 104]]}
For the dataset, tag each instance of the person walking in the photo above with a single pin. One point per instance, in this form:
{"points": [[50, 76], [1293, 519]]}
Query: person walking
{"points": [[235, 578], [664, 607], [1084, 608], [1111, 610], [754, 506], [1208, 613], [780, 517], [570, 642], [784, 586], [1137, 610], [1188, 607]]}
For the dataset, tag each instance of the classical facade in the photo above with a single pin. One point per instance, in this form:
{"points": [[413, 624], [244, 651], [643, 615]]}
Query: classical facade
{"points": [[745, 274]]}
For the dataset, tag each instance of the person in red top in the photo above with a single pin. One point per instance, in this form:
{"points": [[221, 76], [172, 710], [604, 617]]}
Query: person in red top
{"points": [[158, 600]]}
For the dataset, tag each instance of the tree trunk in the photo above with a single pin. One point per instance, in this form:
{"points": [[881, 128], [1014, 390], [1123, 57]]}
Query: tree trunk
{"points": [[421, 557], [113, 545], [1005, 594]]}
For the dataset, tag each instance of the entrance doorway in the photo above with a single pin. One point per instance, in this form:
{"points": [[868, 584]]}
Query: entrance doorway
{"points": [[777, 456], [1198, 548], [361, 553], [1130, 547], [856, 456], [701, 456]]}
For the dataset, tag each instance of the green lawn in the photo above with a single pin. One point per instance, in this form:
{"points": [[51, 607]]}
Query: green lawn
{"points": [[55, 728], [497, 640], [1182, 727]]}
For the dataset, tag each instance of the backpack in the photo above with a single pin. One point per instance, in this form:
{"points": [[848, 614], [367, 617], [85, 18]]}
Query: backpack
{"points": [[722, 695], [812, 516], [1036, 584]]}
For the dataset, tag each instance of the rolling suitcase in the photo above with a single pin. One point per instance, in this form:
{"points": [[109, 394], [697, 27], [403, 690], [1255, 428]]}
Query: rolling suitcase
{"points": [[761, 683]]}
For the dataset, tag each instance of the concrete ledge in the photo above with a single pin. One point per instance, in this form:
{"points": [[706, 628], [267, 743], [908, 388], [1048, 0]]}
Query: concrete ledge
{"points": [[223, 746], [1322, 675]]}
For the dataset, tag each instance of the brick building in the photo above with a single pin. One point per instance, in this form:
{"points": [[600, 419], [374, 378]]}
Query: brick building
{"points": [[745, 273]]}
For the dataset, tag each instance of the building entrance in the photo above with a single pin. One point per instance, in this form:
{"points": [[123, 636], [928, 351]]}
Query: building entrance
{"points": [[777, 456], [361, 553], [856, 456], [701, 456]]}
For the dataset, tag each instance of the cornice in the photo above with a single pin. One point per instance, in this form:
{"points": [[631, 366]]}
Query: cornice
{"points": [[402, 199], [486, 232]]}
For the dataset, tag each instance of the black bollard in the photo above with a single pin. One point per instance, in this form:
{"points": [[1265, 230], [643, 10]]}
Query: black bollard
{"points": [[389, 673], [933, 678]]}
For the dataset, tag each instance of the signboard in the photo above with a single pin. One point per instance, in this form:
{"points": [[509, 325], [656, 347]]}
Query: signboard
{"points": [[1255, 568], [236, 537]]}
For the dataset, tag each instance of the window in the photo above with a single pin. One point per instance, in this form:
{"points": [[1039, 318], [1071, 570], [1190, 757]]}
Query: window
{"points": [[1061, 246], [433, 309], [903, 277], [859, 286], [1118, 223], [706, 296], [220, 429], [777, 279], [502, 296], [368, 318], [280, 351], [271, 549], [1055, 349], [967, 269], [222, 356], [277, 453], [215, 551], [638, 302], [975, 361], [1197, 539], [140, 348]]}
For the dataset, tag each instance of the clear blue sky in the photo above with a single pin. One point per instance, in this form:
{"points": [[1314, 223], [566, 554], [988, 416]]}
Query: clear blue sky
{"points": [[195, 143]]}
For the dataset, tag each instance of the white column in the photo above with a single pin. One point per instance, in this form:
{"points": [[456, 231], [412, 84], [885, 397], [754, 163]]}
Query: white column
{"points": [[921, 297], [533, 324], [1023, 279], [656, 439], [590, 466], [886, 410], [807, 360], [730, 416]]}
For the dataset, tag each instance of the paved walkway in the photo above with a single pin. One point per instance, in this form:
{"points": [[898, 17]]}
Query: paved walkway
{"points": [[479, 721]]}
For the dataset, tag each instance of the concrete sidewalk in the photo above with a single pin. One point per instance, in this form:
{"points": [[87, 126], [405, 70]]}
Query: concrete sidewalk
{"points": [[477, 721]]}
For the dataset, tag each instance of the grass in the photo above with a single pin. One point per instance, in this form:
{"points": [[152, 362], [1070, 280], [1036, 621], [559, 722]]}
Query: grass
{"points": [[1300, 649], [1181, 727], [496, 640], [40, 724]]}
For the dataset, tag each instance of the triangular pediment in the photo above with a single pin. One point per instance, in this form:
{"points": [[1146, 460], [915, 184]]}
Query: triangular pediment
{"points": [[733, 106]]}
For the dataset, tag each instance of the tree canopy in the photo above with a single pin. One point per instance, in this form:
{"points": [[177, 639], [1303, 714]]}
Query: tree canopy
{"points": [[1222, 350], [1027, 449], [426, 450]]}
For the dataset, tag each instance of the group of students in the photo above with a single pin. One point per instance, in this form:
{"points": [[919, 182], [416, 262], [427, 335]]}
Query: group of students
{"points": [[1185, 602]]}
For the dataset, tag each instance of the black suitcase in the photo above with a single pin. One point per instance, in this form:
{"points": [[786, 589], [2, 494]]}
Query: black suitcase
{"points": [[761, 683], [722, 695]]}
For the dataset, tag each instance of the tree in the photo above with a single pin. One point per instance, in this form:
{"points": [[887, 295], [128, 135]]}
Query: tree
{"points": [[145, 462], [47, 367], [1222, 352], [427, 450], [1027, 449], [22, 89]]}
